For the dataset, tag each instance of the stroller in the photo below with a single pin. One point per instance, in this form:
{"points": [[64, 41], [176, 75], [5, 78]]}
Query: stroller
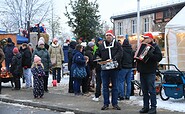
{"points": [[173, 83]]}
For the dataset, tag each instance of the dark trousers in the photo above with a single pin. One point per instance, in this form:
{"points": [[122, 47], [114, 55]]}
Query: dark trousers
{"points": [[85, 87], [70, 83], [98, 84], [46, 81], [56, 74], [17, 83]]}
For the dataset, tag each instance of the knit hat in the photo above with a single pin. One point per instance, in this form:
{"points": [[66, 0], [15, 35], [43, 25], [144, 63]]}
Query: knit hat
{"points": [[15, 50], [40, 42], [9, 40], [36, 58], [100, 39], [55, 39], [148, 35], [91, 44], [110, 32], [42, 38]]}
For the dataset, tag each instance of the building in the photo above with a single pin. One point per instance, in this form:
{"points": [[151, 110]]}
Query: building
{"points": [[152, 19]]}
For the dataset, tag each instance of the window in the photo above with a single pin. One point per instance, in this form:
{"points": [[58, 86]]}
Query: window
{"points": [[120, 28], [146, 24], [134, 26]]}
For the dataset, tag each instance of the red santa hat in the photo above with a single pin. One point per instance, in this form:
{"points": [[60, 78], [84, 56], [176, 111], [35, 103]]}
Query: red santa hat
{"points": [[148, 35], [109, 32]]}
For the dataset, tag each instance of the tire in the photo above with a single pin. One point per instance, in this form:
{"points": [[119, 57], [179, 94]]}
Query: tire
{"points": [[162, 94]]}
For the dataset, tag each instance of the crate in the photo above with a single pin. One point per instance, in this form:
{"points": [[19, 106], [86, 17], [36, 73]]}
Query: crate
{"points": [[173, 90]]}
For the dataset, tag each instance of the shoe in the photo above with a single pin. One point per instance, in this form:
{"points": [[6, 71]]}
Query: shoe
{"points": [[144, 110], [95, 99], [116, 107], [70, 91], [152, 111], [46, 91], [91, 90], [121, 98], [105, 107], [127, 98]]}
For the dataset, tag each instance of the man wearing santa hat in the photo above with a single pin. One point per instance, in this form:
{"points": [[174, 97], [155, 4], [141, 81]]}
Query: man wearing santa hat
{"points": [[110, 50]]}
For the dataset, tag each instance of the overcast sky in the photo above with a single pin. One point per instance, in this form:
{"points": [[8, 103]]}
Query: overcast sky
{"points": [[109, 8]]}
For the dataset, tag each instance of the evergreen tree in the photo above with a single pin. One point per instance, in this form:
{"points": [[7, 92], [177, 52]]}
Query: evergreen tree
{"points": [[84, 19]]}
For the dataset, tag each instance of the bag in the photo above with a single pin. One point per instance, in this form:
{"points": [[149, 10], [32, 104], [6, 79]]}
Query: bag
{"points": [[54, 61], [109, 65], [79, 72], [173, 77]]}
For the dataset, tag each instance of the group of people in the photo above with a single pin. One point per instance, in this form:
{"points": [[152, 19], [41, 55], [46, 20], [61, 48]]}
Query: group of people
{"points": [[25, 61], [111, 61]]}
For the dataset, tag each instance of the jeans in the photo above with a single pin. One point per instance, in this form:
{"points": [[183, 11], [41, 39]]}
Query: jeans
{"points": [[56, 74], [124, 75], [107, 76], [28, 76], [76, 85], [148, 89]]}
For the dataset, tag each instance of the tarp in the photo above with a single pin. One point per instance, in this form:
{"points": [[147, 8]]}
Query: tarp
{"points": [[21, 39], [175, 40]]}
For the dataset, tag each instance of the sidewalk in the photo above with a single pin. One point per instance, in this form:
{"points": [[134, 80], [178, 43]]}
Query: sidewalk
{"points": [[58, 99]]}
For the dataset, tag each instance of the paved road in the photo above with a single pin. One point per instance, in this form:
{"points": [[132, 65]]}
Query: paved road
{"points": [[9, 108]]}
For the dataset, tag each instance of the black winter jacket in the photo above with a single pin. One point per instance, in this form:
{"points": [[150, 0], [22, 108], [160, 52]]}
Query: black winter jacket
{"points": [[128, 56], [151, 65], [26, 58], [16, 65], [116, 51]]}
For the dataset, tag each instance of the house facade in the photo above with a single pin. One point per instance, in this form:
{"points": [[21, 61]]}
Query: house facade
{"points": [[152, 19]]}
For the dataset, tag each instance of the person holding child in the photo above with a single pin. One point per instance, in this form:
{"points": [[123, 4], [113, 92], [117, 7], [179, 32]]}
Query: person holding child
{"points": [[38, 74]]}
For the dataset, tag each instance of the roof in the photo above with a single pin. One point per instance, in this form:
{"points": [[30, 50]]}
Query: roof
{"points": [[178, 20], [148, 10]]}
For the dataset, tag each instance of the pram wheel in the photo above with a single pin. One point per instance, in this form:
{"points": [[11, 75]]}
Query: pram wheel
{"points": [[162, 94]]}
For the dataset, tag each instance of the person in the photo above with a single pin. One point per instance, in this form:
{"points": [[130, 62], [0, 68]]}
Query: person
{"points": [[98, 72], [125, 73], [2, 57], [57, 56], [72, 46], [42, 52], [88, 51], [147, 72], [45, 44], [78, 61], [26, 57], [8, 51], [16, 68], [37, 70], [109, 51]]}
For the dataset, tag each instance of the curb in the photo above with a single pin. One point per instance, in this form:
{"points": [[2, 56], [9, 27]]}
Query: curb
{"points": [[38, 105]]}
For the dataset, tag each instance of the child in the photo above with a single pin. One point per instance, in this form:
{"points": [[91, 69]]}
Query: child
{"points": [[16, 68], [38, 74]]}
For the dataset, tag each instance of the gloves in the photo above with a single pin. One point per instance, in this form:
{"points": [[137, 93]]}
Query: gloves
{"points": [[62, 61]]}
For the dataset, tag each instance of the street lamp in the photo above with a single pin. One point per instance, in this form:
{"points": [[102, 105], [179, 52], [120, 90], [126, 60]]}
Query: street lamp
{"points": [[138, 23]]}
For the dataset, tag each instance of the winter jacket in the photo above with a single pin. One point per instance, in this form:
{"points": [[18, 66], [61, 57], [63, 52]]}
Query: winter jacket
{"points": [[8, 51], [26, 58], [45, 57], [16, 65], [151, 65], [89, 52], [70, 53], [116, 51], [128, 56], [56, 51]]}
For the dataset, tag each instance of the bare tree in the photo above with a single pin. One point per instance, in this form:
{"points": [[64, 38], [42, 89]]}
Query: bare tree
{"points": [[22, 11]]}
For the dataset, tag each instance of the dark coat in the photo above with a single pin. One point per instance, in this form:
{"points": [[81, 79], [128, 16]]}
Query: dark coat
{"points": [[45, 57], [26, 58], [70, 54], [128, 56], [89, 52], [8, 51], [16, 66], [116, 51], [151, 65]]}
